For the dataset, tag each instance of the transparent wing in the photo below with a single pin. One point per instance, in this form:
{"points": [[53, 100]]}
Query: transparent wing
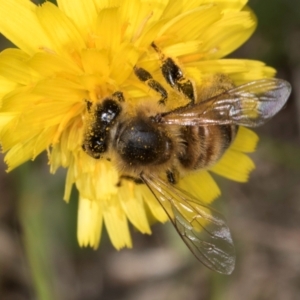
{"points": [[250, 105], [203, 229]]}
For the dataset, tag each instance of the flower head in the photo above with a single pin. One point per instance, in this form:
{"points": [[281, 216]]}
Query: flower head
{"points": [[83, 51]]}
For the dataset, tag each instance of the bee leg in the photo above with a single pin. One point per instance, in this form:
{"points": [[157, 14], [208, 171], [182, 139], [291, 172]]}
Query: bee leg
{"points": [[146, 77], [172, 176], [131, 178], [174, 76]]}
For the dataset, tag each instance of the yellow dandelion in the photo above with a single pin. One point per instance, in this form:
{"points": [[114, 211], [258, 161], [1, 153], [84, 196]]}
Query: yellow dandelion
{"points": [[72, 56]]}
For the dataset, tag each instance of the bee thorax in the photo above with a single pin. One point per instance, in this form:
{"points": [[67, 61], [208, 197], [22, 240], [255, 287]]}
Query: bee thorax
{"points": [[140, 142]]}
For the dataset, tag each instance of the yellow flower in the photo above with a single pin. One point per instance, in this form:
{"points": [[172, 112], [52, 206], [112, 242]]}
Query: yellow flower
{"points": [[86, 49]]}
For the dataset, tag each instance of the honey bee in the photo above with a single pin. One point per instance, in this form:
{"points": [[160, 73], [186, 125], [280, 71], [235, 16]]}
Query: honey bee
{"points": [[155, 146]]}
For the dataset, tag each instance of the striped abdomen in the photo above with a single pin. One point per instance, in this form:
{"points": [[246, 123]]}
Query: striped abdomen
{"points": [[205, 145]]}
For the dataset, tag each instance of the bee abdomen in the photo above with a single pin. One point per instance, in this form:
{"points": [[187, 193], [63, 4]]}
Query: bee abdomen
{"points": [[205, 145]]}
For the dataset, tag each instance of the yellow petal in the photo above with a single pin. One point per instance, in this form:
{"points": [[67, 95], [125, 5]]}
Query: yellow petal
{"points": [[27, 150], [19, 100], [105, 180], [13, 67], [56, 115], [228, 5], [184, 48], [133, 14], [155, 208], [227, 65], [50, 65], [83, 14], [174, 8], [26, 134], [22, 21], [43, 140], [245, 141], [147, 30], [234, 165], [239, 70], [108, 39], [95, 61], [157, 8], [133, 205], [61, 90], [66, 120], [116, 223], [5, 118], [62, 32], [127, 58], [253, 74], [6, 86], [226, 35], [201, 185], [70, 180], [103, 4], [74, 135], [33, 122], [191, 25], [89, 225], [84, 183]]}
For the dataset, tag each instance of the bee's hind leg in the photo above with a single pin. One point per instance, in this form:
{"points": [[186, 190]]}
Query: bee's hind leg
{"points": [[174, 76], [146, 77]]}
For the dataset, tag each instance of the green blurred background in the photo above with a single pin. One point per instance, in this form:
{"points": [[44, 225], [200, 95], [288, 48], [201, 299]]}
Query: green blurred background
{"points": [[40, 257]]}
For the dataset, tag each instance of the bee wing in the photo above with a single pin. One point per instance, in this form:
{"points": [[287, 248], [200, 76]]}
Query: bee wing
{"points": [[203, 229], [250, 105]]}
